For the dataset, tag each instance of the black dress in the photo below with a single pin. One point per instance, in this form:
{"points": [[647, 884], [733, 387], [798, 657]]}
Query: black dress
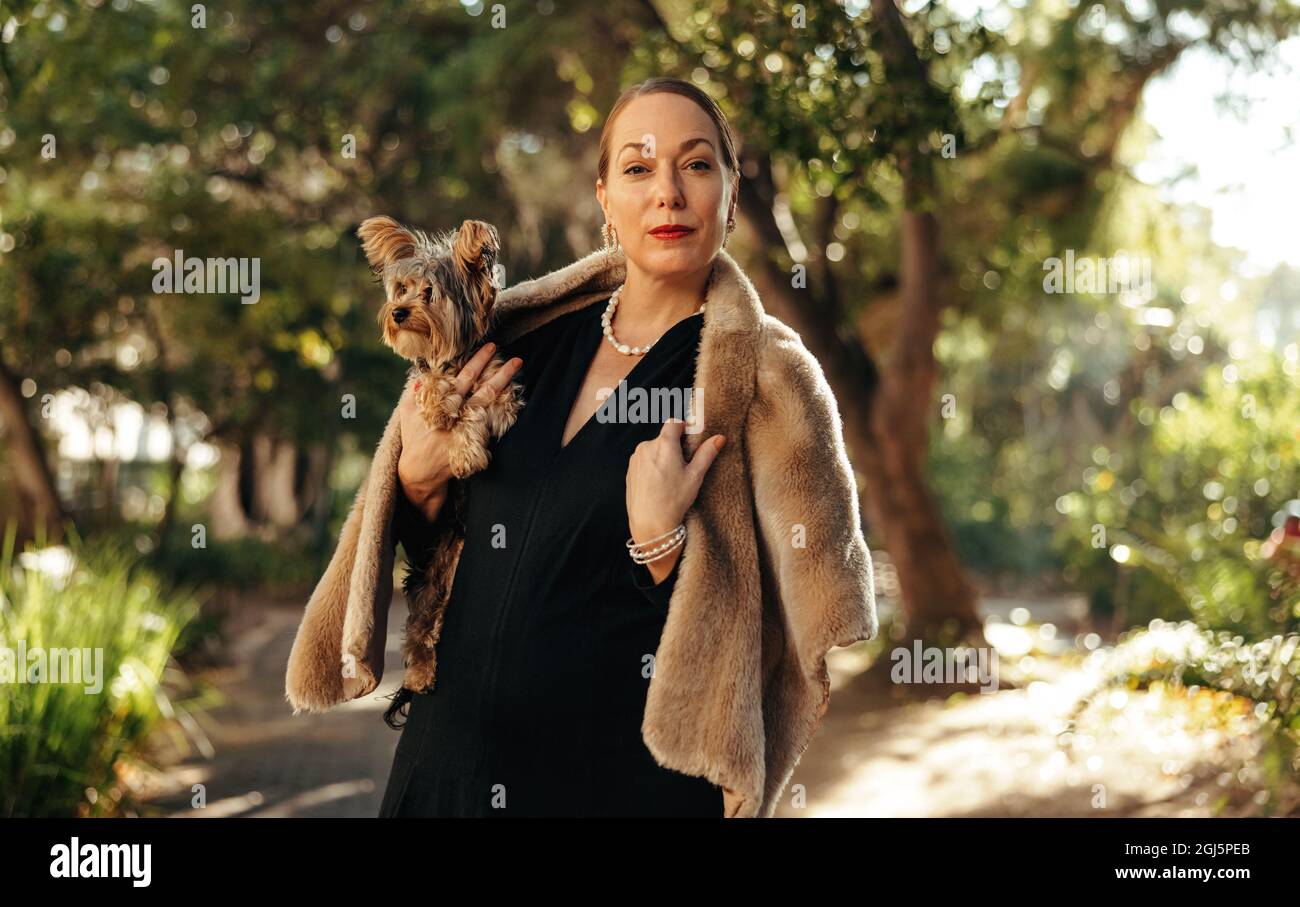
{"points": [[549, 636]]}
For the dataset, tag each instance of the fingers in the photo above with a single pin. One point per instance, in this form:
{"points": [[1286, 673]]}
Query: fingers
{"points": [[469, 373], [672, 430], [704, 457], [489, 389], [671, 433], [659, 485]]}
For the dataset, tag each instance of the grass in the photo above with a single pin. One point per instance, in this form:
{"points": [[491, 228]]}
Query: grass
{"points": [[66, 747]]}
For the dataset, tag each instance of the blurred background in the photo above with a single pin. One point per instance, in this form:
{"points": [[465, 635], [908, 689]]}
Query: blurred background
{"points": [[1093, 483]]}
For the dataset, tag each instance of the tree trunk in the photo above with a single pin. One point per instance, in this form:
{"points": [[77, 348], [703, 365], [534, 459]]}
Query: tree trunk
{"points": [[934, 586], [885, 416], [274, 498], [315, 479], [321, 505], [229, 521], [175, 470], [42, 513], [109, 468]]}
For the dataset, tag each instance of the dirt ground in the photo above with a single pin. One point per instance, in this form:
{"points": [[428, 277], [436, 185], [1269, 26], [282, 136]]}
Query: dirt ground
{"points": [[882, 749]]}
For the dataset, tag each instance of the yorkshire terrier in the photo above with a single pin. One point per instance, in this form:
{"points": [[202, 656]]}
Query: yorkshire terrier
{"points": [[439, 291], [439, 294]]}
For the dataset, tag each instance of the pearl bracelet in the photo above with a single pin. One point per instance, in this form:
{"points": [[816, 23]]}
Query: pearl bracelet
{"points": [[661, 552], [647, 551], [642, 553]]}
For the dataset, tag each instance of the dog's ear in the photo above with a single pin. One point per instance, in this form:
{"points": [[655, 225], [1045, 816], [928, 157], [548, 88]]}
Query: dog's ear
{"points": [[475, 254], [385, 241]]}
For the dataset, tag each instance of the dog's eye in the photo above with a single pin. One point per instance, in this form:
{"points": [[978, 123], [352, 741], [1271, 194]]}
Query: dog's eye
{"points": [[428, 294]]}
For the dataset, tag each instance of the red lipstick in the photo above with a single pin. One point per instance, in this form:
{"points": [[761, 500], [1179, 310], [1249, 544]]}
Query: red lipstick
{"points": [[671, 231]]}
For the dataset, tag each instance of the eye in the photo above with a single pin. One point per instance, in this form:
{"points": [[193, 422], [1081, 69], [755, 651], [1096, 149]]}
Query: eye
{"points": [[428, 294], [705, 163], [629, 169]]}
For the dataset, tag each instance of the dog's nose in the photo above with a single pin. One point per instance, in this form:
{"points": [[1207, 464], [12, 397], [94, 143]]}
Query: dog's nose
{"points": [[399, 315]]}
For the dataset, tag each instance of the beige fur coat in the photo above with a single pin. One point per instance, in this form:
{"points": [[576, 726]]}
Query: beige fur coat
{"points": [[774, 572]]}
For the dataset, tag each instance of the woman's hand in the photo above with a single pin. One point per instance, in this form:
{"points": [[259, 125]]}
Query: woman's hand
{"points": [[662, 486], [424, 468]]}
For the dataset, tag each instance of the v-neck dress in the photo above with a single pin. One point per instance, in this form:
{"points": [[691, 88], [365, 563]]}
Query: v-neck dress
{"points": [[549, 637]]}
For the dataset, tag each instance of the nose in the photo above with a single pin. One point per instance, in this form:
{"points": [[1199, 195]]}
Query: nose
{"points": [[667, 188], [399, 315]]}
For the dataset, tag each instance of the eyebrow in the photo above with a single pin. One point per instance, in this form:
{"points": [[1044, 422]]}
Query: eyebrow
{"points": [[686, 144]]}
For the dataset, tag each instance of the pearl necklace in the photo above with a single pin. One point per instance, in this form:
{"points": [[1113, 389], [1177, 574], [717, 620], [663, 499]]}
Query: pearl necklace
{"points": [[607, 324]]}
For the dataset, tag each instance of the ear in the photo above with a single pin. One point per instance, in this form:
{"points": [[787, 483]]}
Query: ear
{"points": [[385, 241], [475, 255]]}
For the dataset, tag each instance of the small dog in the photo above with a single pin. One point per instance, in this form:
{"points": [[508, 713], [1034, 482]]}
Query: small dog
{"points": [[439, 293]]}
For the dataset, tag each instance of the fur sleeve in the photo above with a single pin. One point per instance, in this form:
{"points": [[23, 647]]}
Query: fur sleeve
{"points": [[338, 653], [816, 557]]}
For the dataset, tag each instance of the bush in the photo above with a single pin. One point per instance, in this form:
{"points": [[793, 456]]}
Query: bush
{"points": [[1184, 513], [1264, 674], [241, 565], [66, 746]]}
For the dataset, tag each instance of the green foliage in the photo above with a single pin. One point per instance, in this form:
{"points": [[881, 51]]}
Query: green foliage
{"points": [[1189, 504], [226, 140], [980, 507], [238, 564], [64, 746]]}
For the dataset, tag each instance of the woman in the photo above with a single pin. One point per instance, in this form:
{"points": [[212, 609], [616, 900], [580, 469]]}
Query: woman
{"points": [[639, 618]]}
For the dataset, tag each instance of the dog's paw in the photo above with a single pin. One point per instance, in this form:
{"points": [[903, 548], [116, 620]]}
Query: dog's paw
{"points": [[420, 673], [467, 461], [468, 453], [502, 413], [444, 412]]}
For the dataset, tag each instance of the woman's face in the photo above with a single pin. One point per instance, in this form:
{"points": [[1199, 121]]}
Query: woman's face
{"points": [[665, 167]]}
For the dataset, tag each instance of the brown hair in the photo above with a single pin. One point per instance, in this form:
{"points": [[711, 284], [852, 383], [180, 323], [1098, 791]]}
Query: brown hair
{"points": [[661, 84]]}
